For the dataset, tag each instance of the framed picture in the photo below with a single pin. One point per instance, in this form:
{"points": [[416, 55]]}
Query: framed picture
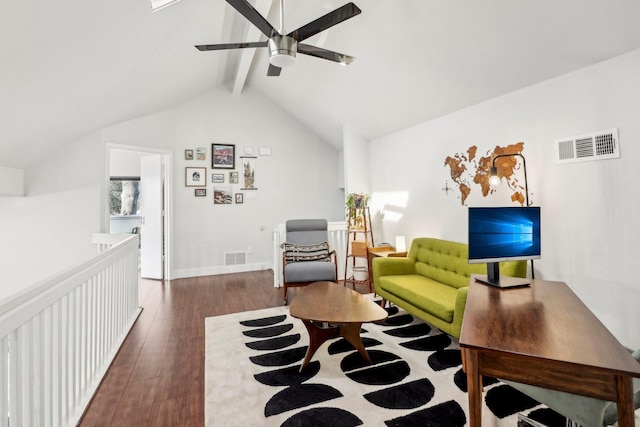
{"points": [[249, 172], [233, 177], [201, 154], [217, 178], [201, 192], [222, 195], [188, 154], [239, 198], [223, 156], [195, 177]]}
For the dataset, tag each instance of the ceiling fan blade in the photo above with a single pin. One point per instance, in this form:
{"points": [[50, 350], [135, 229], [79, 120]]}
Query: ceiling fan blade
{"points": [[205, 47], [319, 52], [249, 12], [339, 15], [273, 71]]}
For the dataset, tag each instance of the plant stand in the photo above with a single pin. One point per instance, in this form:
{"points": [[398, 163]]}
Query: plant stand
{"points": [[359, 238]]}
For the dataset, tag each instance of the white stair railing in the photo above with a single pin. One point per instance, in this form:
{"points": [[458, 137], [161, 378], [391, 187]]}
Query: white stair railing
{"points": [[337, 241], [58, 337]]}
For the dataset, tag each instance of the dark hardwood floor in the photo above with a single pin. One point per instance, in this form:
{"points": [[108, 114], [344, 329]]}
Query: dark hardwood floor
{"points": [[157, 377]]}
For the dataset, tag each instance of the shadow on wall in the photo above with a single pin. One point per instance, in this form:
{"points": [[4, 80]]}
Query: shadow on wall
{"points": [[387, 210]]}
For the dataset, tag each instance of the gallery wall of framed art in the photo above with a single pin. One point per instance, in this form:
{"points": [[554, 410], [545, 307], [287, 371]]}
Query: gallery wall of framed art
{"points": [[223, 156]]}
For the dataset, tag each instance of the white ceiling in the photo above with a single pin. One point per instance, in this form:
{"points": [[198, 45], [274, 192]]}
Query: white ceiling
{"points": [[70, 67]]}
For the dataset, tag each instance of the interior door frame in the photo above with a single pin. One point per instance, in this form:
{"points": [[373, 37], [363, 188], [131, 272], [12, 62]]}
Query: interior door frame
{"points": [[168, 201]]}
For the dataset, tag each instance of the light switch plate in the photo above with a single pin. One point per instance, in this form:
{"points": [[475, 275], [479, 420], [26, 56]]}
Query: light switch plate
{"points": [[265, 151]]}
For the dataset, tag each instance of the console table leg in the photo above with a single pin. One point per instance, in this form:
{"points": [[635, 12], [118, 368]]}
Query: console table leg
{"points": [[626, 416], [474, 386]]}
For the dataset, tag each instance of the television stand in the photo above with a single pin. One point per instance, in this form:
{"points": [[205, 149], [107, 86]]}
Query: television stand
{"points": [[493, 278], [504, 282]]}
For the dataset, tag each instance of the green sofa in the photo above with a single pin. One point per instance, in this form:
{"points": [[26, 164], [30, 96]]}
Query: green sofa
{"points": [[432, 281]]}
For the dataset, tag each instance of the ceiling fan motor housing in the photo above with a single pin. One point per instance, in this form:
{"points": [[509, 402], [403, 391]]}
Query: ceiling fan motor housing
{"points": [[282, 50]]}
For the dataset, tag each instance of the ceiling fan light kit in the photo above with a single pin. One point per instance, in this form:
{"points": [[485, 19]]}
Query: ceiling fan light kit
{"points": [[282, 51], [283, 48]]}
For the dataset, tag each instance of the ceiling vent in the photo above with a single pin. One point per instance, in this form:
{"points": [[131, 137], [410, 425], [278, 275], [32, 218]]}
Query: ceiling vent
{"points": [[591, 146]]}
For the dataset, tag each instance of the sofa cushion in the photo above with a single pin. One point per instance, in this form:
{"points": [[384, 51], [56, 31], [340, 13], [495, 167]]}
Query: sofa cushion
{"points": [[426, 294]]}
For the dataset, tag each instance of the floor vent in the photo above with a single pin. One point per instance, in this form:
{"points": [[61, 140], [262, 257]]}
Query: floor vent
{"points": [[592, 146], [235, 258]]}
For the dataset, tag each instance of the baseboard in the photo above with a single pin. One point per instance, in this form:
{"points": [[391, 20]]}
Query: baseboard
{"points": [[219, 269]]}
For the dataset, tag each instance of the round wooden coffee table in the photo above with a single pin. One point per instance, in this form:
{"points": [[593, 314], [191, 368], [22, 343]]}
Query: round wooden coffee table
{"points": [[329, 310]]}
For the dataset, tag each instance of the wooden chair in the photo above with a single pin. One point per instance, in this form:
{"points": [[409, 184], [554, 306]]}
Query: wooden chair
{"points": [[306, 256]]}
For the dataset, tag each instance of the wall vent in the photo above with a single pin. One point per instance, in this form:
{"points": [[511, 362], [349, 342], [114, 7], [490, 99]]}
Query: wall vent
{"points": [[235, 258], [592, 146]]}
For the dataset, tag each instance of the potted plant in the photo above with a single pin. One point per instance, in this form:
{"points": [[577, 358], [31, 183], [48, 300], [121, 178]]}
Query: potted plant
{"points": [[356, 201]]}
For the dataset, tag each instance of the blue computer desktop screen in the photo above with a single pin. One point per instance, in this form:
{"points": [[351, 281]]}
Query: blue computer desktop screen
{"points": [[505, 233]]}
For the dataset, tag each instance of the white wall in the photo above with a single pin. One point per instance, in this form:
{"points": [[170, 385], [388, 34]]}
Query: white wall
{"points": [[50, 228], [11, 182], [298, 180], [79, 164], [66, 193], [590, 210], [356, 155], [124, 163], [45, 234]]}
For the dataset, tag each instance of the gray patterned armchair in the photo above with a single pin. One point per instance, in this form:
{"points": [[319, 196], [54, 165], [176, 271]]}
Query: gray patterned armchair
{"points": [[306, 256]]}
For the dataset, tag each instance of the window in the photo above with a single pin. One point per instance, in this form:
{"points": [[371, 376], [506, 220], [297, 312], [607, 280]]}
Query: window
{"points": [[124, 196]]}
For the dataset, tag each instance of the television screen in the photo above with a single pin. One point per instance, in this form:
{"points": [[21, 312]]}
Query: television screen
{"points": [[503, 234]]}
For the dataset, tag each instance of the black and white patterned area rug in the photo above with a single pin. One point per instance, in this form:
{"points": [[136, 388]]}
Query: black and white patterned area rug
{"points": [[416, 378]]}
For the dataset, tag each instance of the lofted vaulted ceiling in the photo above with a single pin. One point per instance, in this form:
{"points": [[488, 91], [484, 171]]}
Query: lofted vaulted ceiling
{"points": [[71, 67]]}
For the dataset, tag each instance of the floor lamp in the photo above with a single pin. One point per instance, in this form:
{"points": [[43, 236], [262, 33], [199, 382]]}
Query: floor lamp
{"points": [[494, 181]]}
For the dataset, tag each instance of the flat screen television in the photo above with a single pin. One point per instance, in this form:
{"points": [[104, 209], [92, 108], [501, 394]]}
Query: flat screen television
{"points": [[499, 234]]}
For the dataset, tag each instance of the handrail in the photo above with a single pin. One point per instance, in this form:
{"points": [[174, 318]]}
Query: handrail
{"points": [[59, 336], [34, 299]]}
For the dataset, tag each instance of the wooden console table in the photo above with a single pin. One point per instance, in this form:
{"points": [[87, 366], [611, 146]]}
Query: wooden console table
{"points": [[543, 335]]}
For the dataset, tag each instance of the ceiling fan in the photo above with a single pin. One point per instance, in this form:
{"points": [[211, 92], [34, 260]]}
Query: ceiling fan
{"points": [[283, 47]]}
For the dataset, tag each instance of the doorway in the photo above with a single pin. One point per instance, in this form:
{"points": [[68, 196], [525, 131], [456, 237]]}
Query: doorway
{"points": [[151, 218]]}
